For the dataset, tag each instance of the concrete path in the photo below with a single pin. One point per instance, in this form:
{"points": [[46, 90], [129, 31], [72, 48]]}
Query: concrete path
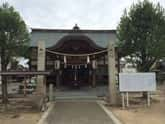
{"points": [[78, 113]]}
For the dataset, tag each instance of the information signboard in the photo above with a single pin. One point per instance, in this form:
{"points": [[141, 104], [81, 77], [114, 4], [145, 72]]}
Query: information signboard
{"points": [[137, 82]]}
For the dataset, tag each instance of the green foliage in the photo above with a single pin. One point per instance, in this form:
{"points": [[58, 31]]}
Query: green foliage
{"points": [[141, 34], [14, 36], [14, 39]]}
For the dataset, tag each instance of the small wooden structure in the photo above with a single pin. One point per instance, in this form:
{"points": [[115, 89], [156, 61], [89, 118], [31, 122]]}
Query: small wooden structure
{"points": [[39, 96]]}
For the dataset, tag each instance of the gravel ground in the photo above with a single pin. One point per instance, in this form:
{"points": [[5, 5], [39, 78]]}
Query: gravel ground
{"points": [[19, 111], [140, 114], [78, 113]]}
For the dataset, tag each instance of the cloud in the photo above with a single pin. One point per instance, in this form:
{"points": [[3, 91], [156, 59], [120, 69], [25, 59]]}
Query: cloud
{"points": [[89, 14]]}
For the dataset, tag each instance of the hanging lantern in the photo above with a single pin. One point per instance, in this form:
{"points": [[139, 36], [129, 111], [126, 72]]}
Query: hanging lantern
{"points": [[88, 59], [94, 64], [65, 65], [57, 64], [64, 59]]}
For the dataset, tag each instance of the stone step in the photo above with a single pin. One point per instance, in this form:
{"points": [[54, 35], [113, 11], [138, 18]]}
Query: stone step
{"points": [[58, 98]]}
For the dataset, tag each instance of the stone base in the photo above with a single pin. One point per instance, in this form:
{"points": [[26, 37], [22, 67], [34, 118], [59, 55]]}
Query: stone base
{"points": [[39, 101]]}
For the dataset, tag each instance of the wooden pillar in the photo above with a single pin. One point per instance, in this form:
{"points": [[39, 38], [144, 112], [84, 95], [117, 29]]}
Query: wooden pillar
{"points": [[94, 66], [111, 74], [25, 86], [41, 84], [94, 78], [57, 78], [58, 71], [89, 78]]}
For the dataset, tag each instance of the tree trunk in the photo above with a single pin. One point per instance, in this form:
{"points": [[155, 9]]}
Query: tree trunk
{"points": [[145, 66], [4, 90], [4, 79]]}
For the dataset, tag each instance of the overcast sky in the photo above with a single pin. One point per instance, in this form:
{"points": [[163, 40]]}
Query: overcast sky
{"points": [[88, 14]]}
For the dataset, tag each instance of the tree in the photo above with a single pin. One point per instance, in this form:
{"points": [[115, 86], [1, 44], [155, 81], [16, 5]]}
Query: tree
{"points": [[141, 34], [14, 39]]}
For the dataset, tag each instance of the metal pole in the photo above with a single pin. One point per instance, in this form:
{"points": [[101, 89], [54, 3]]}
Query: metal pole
{"points": [[148, 99], [123, 101], [127, 97]]}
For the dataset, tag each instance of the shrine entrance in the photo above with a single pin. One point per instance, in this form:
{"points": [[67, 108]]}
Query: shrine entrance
{"points": [[75, 61], [75, 76]]}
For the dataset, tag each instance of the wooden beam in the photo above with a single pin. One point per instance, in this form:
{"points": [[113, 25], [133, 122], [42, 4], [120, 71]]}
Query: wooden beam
{"points": [[7, 73]]}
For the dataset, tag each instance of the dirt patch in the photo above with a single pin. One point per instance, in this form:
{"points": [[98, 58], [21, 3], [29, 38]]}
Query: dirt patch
{"points": [[139, 113], [23, 118], [19, 110]]}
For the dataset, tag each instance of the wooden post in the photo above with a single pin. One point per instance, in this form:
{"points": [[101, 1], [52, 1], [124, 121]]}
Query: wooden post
{"points": [[0, 70], [24, 89]]}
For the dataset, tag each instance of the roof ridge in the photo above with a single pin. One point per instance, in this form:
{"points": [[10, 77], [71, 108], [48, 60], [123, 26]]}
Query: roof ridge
{"points": [[74, 31]]}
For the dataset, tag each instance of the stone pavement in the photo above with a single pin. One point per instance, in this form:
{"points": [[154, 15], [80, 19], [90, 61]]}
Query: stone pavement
{"points": [[72, 112]]}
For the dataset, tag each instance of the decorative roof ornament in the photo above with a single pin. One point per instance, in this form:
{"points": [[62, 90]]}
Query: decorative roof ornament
{"points": [[76, 27]]}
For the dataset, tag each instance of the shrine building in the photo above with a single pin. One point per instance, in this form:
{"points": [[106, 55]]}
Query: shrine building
{"points": [[75, 57]]}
